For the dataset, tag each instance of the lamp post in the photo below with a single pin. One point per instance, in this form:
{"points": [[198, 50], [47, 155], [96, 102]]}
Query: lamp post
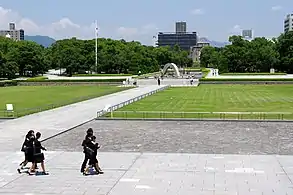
{"points": [[96, 35]]}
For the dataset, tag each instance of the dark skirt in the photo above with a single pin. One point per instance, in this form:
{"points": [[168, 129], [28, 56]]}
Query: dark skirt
{"points": [[39, 157], [93, 161]]}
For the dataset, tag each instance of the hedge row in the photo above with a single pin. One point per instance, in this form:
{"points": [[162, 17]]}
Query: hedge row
{"points": [[76, 80], [101, 75], [254, 73], [245, 79], [7, 83]]}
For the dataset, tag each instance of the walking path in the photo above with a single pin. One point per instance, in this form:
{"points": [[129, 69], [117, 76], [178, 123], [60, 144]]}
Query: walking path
{"points": [[57, 120], [153, 174]]}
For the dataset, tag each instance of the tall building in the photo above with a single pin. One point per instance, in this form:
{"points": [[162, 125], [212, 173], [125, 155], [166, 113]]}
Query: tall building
{"points": [[185, 40], [180, 27], [247, 34], [13, 33], [288, 23]]}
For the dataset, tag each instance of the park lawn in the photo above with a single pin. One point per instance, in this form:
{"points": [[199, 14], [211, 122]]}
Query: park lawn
{"points": [[101, 75], [215, 98], [31, 99]]}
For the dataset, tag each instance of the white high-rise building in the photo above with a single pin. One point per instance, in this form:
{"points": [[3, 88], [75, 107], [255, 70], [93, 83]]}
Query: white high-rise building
{"points": [[288, 23], [13, 33]]}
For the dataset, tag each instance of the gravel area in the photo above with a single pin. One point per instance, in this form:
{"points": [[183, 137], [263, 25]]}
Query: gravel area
{"points": [[185, 136]]}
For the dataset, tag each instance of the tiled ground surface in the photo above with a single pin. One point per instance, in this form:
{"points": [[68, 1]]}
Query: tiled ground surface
{"points": [[203, 137], [153, 174]]}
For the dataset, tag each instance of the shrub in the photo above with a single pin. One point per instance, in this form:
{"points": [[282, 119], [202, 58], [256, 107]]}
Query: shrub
{"points": [[7, 83], [245, 79], [101, 75], [253, 73], [77, 80]]}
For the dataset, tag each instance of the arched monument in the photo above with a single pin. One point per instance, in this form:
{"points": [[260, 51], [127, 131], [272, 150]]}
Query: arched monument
{"points": [[173, 66]]}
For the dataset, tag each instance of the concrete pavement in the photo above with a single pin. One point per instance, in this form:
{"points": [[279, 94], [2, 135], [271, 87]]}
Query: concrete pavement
{"points": [[153, 174]]}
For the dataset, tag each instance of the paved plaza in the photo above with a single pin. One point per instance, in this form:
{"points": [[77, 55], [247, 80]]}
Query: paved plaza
{"points": [[204, 137], [153, 174]]}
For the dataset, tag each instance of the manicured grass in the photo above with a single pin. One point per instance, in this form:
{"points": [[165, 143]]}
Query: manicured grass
{"points": [[215, 98], [31, 99]]}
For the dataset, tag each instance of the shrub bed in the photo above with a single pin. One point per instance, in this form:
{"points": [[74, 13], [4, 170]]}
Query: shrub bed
{"points": [[101, 75], [8, 83], [251, 74], [76, 80], [245, 79]]}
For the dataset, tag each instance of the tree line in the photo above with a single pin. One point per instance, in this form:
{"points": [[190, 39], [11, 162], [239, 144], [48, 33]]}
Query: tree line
{"points": [[27, 58], [257, 55]]}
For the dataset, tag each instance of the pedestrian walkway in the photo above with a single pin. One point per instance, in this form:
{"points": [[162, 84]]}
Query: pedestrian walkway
{"points": [[153, 174], [57, 120]]}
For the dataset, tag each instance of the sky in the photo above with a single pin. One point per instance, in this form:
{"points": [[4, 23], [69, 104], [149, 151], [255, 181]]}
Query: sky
{"points": [[140, 20]]}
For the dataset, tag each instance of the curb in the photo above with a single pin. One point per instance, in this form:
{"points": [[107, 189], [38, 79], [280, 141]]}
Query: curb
{"points": [[62, 132], [189, 119]]}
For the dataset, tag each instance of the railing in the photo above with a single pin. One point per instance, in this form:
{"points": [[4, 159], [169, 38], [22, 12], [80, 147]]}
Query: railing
{"points": [[111, 109], [201, 115]]}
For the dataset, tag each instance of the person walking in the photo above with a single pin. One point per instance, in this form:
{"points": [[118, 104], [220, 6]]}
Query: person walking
{"points": [[86, 150], [27, 148], [93, 162], [38, 155]]}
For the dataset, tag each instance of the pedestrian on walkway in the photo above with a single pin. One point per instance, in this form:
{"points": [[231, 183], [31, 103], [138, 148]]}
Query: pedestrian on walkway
{"points": [[27, 148], [94, 163], [86, 150], [159, 81], [38, 155]]}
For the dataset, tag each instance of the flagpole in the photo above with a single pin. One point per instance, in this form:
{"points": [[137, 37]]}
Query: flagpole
{"points": [[96, 32]]}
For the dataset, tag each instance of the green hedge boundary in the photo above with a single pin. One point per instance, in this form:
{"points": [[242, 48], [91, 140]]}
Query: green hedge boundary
{"points": [[75, 80], [7, 83], [245, 79], [101, 75], [250, 74]]}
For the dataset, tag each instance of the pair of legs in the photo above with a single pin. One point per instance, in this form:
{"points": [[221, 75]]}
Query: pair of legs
{"points": [[94, 163], [85, 160], [33, 167]]}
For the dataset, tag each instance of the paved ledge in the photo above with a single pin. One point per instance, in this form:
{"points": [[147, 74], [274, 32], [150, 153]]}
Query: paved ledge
{"points": [[153, 174]]}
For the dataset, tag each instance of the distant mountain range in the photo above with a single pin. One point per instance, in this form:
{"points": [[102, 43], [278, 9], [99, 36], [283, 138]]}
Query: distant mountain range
{"points": [[48, 41], [41, 40]]}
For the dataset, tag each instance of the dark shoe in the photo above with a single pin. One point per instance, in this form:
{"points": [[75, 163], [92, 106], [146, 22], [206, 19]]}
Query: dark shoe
{"points": [[18, 170], [101, 172], [44, 173]]}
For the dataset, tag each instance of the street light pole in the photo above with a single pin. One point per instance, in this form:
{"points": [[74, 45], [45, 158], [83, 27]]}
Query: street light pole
{"points": [[96, 32]]}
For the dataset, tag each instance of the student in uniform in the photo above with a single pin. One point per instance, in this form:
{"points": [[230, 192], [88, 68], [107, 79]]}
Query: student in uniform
{"points": [[86, 149], [93, 159], [27, 148], [38, 155]]}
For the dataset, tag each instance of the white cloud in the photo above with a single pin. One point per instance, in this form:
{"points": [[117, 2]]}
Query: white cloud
{"points": [[66, 28], [276, 8], [197, 12]]}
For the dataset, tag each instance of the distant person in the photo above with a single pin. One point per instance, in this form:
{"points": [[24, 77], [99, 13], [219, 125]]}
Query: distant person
{"points": [[159, 81], [86, 150], [38, 155]]}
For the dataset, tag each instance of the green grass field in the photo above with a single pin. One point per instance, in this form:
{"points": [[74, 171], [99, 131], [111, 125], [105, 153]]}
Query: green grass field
{"points": [[31, 99], [214, 98]]}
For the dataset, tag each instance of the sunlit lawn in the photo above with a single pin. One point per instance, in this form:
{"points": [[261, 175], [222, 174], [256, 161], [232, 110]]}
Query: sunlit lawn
{"points": [[29, 99], [214, 98]]}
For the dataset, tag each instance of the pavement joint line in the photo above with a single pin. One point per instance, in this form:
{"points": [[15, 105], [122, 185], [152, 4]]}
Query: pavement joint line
{"points": [[283, 169], [139, 156]]}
